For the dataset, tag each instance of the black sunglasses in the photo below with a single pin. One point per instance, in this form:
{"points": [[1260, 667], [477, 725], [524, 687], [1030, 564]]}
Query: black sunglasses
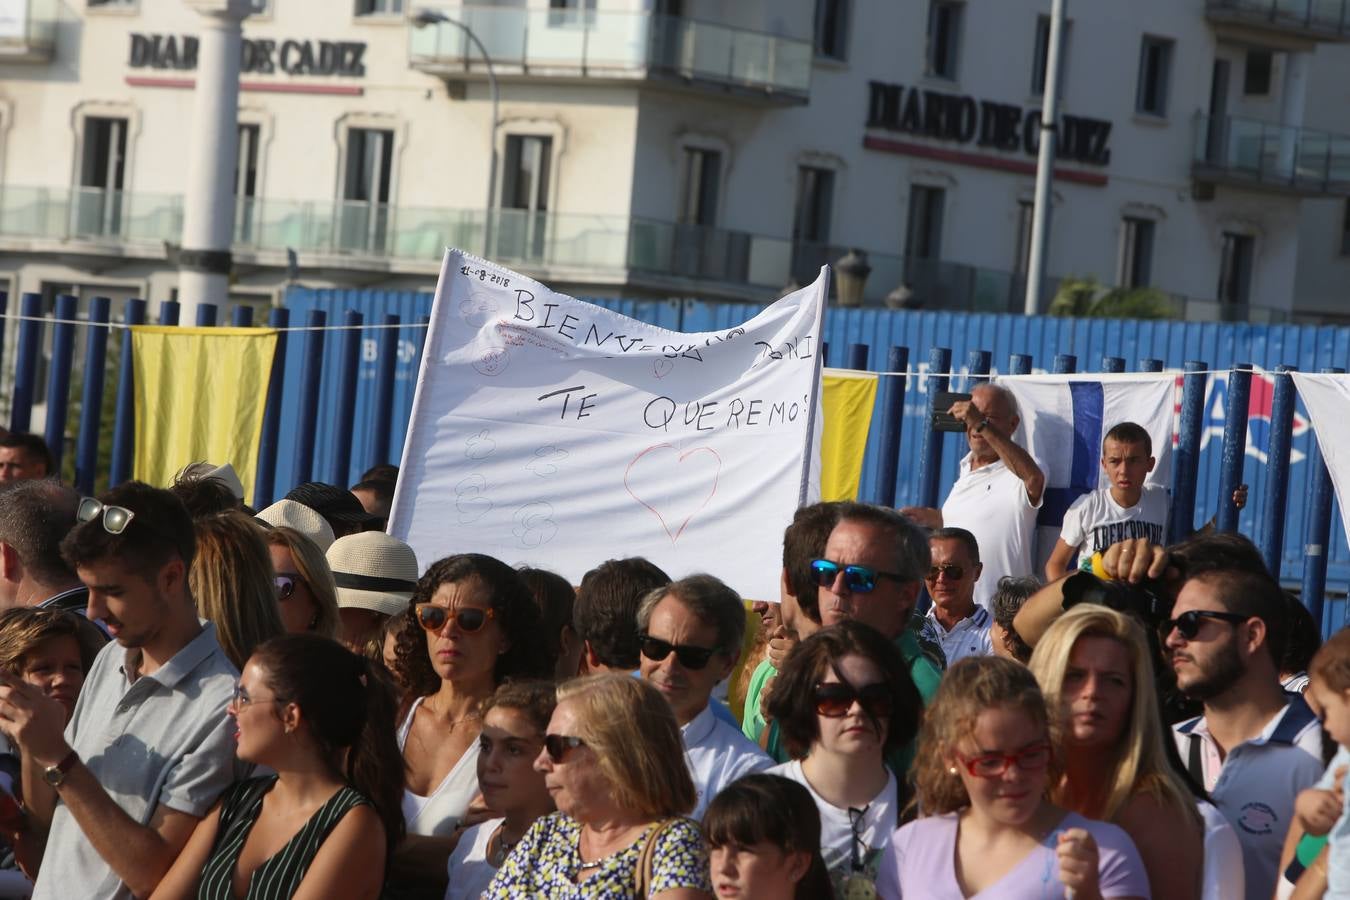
{"points": [[468, 620], [1188, 623], [834, 700], [858, 579], [286, 586], [557, 745], [689, 656], [953, 572]]}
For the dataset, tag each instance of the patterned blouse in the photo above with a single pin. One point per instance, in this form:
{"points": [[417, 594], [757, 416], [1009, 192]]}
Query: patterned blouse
{"points": [[546, 862]]}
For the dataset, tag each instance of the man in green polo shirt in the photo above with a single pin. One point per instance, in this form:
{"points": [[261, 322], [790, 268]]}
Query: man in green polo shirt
{"points": [[869, 568]]}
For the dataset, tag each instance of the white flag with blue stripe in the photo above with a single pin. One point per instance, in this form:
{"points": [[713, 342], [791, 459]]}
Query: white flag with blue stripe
{"points": [[1065, 417]]}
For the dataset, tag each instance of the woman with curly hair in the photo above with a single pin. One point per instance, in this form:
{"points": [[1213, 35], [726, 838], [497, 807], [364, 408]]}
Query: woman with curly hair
{"points": [[985, 766], [472, 625]]}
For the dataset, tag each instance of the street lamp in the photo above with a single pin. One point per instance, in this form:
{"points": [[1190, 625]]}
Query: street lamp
{"points": [[852, 271], [421, 19]]}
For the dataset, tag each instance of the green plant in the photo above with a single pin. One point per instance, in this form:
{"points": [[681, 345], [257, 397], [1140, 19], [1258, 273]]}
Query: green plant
{"points": [[1087, 298]]}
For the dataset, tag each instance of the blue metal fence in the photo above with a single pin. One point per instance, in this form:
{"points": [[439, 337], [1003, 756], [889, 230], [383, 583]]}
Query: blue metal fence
{"points": [[342, 400]]}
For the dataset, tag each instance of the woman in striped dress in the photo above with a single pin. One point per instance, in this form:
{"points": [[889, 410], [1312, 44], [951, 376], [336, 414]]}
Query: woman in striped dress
{"points": [[320, 718]]}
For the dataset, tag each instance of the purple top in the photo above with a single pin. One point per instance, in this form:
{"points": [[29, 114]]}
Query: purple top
{"points": [[921, 862]]}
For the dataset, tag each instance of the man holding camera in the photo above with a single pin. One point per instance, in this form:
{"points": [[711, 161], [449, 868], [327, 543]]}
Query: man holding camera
{"points": [[999, 491]]}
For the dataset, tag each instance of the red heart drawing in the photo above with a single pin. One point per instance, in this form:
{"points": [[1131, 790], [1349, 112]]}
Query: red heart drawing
{"points": [[652, 466]]}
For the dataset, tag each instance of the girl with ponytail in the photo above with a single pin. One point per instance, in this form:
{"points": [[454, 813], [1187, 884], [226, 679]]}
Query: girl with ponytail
{"points": [[322, 719]]}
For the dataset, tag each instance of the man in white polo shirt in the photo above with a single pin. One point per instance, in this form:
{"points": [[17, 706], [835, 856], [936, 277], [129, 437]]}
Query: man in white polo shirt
{"points": [[1255, 747], [689, 638], [955, 621], [998, 493]]}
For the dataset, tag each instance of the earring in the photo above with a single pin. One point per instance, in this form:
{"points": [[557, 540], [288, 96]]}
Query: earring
{"points": [[951, 770]]}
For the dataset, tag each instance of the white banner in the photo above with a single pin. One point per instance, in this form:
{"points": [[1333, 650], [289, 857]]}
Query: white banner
{"points": [[1065, 418], [1327, 398], [554, 432], [13, 20]]}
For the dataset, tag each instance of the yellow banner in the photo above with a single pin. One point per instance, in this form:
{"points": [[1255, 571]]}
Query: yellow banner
{"points": [[200, 394], [848, 399]]}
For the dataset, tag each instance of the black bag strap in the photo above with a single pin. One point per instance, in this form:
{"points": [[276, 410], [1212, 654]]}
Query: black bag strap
{"points": [[1193, 761]]}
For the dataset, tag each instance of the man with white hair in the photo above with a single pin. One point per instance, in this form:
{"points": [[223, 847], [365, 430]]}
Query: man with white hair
{"points": [[998, 493]]}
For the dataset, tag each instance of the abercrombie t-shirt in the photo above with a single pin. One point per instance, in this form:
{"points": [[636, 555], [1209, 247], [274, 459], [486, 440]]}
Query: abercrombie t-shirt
{"points": [[1095, 521]]}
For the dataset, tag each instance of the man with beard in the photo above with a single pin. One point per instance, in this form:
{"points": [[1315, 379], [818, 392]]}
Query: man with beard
{"points": [[1255, 747]]}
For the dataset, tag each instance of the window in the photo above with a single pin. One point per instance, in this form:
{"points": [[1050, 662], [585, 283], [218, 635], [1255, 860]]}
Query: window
{"points": [[245, 182], [944, 37], [1026, 211], [364, 210], [1235, 268], [1345, 230], [1256, 73], [815, 199], [521, 228], [923, 234], [379, 7], [1155, 63], [1041, 55], [98, 204], [571, 12], [832, 29], [1134, 268], [702, 171]]}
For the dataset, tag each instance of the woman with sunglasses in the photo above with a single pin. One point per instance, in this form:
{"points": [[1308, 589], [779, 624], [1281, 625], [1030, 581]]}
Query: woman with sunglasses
{"points": [[613, 762], [986, 763], [515, 719], [471, 626], [844, 700], [1094, 669], [234, 585], [322, 720], [306, 591]]}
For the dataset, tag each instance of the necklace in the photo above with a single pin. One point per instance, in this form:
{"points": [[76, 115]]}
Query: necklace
{"points": [[499, 848], [467, 717]]}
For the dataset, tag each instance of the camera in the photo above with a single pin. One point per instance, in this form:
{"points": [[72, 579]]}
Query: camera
{"points": [[1146, 601]]}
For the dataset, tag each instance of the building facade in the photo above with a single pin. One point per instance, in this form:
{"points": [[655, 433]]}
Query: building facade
{"points": [[694, 147]]}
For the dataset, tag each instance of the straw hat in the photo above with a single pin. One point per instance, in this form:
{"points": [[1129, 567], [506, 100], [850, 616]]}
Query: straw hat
{"points": [[289, 514], [373, 571]]}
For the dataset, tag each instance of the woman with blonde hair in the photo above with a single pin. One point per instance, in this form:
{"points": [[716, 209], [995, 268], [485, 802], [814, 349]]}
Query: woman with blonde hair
{"points": [[614, 763], [1094, 669], [986, 763], [306, 592], [234, 585]]}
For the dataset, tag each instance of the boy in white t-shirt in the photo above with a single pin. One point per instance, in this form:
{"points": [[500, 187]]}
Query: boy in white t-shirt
{"points": [[1129, 508]]}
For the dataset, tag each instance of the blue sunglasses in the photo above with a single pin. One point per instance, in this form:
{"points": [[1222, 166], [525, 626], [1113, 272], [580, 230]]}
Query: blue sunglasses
{"points": [[858, 579]]}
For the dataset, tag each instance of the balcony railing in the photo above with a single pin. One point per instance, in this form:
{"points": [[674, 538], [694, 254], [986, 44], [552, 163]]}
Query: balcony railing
{"points": [[1249, 151], [1325, 19], [27, 30], [615, 44]]}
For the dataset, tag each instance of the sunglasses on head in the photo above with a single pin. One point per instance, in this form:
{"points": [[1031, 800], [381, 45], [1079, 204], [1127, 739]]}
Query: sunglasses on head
{"points": [[858, 579], [1188, 623], [688, 655], [557, 745], [953, 573], [467, 619], [835, 699], [115, 518]]}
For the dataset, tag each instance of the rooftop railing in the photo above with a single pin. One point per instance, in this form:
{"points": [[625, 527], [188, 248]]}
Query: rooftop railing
{"points": [[1325, 18], [615, 44]]}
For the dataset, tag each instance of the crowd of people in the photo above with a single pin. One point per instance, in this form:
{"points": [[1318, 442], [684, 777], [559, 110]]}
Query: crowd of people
{"points": [[202, 700]]}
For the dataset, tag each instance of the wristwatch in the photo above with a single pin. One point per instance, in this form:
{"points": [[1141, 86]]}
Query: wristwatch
{"points": [[56, 775]]}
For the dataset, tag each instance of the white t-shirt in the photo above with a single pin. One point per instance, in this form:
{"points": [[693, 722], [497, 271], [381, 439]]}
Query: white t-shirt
{"points": [[718, 754], [878, 823], [992, 504], [1095, 521], [1254, 786], [439, 814], [470, 871]]}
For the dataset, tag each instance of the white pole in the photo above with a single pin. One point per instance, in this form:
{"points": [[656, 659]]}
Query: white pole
{"points": [[1045, 162], [208, 198]]}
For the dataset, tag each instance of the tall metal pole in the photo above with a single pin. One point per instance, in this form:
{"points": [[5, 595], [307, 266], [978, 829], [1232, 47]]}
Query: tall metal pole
{"points": [[208, 200], [1045, 162]]}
